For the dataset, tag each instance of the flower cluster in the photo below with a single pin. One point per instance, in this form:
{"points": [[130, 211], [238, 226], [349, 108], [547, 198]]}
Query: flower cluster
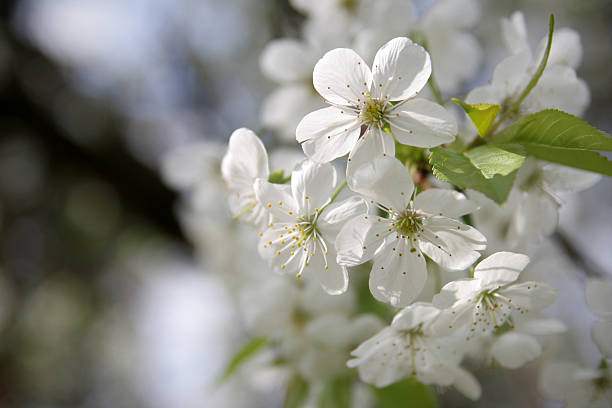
{"points": [[382, 221]]}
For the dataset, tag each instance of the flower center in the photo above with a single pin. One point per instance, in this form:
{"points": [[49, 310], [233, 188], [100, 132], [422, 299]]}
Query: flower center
{"points": [[373, 112], [409, 222], [307, 229]]}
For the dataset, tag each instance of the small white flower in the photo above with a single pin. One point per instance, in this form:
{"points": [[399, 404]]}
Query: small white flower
{"points": [[599, 299], [559, 87], [371, 108], [305, 223], [414, 228], [487, 301], [245, 162], [579, 387], [408, 348]]}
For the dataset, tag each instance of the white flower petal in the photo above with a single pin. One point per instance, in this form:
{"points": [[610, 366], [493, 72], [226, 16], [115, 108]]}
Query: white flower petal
{"points": [[360, 238], [284, 108], [563, 179], [536, 216], [530, 296], [412, 316], [559, 88], [449, 45], [500, 268], [246, 160], [334, 280], [422, 123], [399, 275], [450, 320], [336, 214], [327, 133], [466, 383], [456, 290], [447, 203], [566, 48], [277, 199], [513, 350], [270, 246], [286, 60], [312, 185], [401, 69], [541, 327], [372, 145], [384, 180], [515, 33], [450, 243], [599, 296], [342, 77], [602, 336]]}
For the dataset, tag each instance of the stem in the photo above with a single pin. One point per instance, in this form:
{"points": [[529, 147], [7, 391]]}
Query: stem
{"points": [[435, 90], [338, 190]]}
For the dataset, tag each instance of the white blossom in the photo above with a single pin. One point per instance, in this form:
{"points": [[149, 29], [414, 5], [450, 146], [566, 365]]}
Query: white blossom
{"points": [[490, 299], [398, 244], [304, 224], [371, 108], [408, 348], [580, 387], [559, 87], [245, 162]]}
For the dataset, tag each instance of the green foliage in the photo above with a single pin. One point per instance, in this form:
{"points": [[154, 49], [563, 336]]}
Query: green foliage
{"points": [[297, 392], [247, 351], [457, 169], [558, 137], [492, 160], [406, 394], [278, 177], [337, 393], [482, 115]]}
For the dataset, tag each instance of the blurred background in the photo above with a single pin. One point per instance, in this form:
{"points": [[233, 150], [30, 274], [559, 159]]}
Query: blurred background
{"points": [[102, 299]]}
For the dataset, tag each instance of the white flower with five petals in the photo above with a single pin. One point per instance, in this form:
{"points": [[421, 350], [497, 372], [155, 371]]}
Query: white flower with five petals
{"points": [[408, 348], [426, 225], [304, 224], [487, 301], [371, 108]]}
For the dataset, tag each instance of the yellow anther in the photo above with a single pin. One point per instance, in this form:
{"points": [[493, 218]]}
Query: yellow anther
{"points": [[269, 205], [280, 203]]}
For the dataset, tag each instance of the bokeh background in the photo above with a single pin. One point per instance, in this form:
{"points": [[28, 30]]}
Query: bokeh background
{"points": [[102, 300]]}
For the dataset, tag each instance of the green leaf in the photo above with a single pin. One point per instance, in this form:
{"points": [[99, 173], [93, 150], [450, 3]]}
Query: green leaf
{"points": [[482, 114], [457, 169], [297, 392], [492, 160], [551, 127], [337, 393], [558, 137], [405, 394], [278, 177], [247, 351]]}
